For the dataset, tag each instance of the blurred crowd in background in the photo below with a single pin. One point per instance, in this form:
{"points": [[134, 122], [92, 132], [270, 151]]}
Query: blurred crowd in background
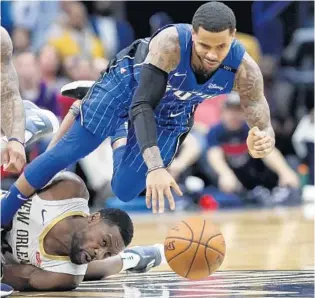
{"points": [[56, 42]]}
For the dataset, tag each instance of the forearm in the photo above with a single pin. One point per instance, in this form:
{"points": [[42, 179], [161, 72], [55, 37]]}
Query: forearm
{"points": [[28, 277], [217, 161], [18, 276], [257, 113], [18, 127], [66, 123], [147, 96], [249, 84], [162, 58], [276, 162], [189, 152], [12, 108], [145, 129], [101, 269]]}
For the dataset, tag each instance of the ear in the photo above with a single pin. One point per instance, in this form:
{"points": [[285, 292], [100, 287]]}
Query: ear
{"points": [[193, 34], [233, 33], [95, 217]]}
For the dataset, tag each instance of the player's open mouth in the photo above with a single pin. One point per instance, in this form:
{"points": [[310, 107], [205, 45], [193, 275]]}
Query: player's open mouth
{"points": [[85, 257], [210, 63]]}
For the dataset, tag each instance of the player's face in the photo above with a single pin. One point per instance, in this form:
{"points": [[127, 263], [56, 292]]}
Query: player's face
{"points": [[210, 48], [96, 242], [233, 118]]}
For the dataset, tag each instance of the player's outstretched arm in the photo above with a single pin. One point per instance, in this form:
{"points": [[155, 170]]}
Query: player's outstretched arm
{"points": [[249, 84], [12, 109], [163, 57], [29, 277]]}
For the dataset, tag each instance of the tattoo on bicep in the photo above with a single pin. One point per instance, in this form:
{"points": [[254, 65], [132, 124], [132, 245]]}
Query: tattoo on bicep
{"points": [[164, 51], [250, 86], [12, 109], [152, 157]]}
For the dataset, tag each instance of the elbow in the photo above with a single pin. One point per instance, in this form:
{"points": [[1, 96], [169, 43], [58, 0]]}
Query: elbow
{"points": [[137, 108], [72, 286]]}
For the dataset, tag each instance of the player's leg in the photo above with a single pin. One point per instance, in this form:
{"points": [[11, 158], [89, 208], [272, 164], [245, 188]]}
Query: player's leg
{"points": [[76, 143], [129, 177], [98, 121]]}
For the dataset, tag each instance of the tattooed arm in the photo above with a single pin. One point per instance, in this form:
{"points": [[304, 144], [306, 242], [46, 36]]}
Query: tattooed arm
{"points": [[12, 109], [163, 57], [250, 86]]}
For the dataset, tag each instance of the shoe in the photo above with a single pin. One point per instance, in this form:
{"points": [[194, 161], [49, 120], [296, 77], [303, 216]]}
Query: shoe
{"points": [[150, 256], [38, 122], [77, 89], [5, 290]]}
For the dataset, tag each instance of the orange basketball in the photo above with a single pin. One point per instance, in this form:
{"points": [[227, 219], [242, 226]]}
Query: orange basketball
{"points": [[194, 248]]}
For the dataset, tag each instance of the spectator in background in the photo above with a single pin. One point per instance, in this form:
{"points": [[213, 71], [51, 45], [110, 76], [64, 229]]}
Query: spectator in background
{"points": [[159, 20], [49, 66], [21, 40], [115, 34], [228, 156], [74, 36], [35, 18], [31, 85], [303, 142], [251, 45]]}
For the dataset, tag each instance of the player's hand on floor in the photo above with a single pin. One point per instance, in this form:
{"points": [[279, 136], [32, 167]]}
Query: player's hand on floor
{"points": [[159, 183], [229, 183], [13, 157], [259, 143]]}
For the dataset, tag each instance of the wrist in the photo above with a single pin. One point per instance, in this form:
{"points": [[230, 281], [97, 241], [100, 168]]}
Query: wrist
{"points": [[16, 140], [152, 158], [283, 172], [154, 169]]}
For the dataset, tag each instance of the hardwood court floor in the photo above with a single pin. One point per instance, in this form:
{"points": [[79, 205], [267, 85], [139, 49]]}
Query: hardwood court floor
{"points": [[270, 253]]}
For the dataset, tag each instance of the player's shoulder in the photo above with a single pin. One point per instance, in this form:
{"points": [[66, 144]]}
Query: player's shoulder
{"points": [[166, 39], [164, 49], [248, 64], [65, 185], [248, 73]]}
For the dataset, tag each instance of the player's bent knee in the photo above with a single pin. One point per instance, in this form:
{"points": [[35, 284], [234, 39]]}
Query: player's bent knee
{"points": [[119, 190]]}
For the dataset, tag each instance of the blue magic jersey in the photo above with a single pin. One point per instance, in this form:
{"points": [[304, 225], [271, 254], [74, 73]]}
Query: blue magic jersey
{"points": [[107, 103]]}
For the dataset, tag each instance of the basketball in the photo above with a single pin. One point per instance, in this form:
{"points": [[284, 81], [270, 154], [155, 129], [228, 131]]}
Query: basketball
{"points": [[194, 248]]}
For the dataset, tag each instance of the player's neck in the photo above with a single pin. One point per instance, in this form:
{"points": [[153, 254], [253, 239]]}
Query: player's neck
{"points": [[58, 240], [197, 68]]}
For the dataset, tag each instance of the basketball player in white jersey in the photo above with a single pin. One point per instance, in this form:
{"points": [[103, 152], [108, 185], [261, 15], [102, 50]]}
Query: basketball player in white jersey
{"points": [[54, 242], [38, 123]]}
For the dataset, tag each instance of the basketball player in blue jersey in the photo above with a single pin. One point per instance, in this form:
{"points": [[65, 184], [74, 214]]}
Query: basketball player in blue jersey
{"points": [[156, 85]]}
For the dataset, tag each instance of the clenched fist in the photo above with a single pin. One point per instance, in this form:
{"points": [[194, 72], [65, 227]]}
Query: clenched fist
{"points": [[259, 143]]}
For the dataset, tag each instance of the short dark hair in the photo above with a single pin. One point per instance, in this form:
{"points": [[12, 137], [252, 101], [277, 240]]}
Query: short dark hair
{"points": [[214, 17], [119, 218]]}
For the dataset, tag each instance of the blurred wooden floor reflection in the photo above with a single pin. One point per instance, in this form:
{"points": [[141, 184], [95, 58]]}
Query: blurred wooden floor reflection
{"points": [[275, 239]]}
